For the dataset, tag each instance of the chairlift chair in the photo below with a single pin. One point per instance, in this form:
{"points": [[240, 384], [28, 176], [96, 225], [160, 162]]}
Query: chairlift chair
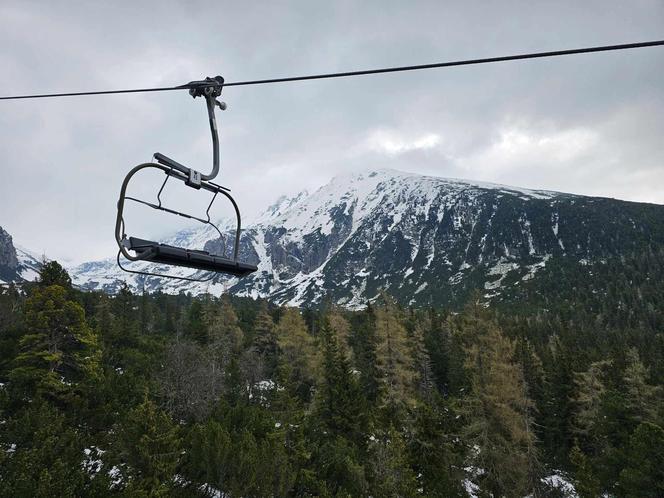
{"points": [[155, 252]]}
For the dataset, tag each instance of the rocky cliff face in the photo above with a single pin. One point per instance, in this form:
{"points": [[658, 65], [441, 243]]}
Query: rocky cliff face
{"points": [[425, 240], [8, 258], [16, 264]]}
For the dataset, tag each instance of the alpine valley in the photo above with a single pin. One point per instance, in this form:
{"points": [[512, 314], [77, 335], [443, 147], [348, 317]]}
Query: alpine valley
{"points": [[423, 240]]}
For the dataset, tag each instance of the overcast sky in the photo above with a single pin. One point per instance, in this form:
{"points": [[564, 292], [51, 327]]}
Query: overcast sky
{"points": [[588, 124]]}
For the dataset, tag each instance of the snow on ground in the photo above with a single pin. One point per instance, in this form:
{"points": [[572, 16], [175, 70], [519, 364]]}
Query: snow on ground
{"points": [[501, 268]]}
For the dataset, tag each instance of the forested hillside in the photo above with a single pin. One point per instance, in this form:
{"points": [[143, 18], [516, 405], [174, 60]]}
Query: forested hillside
{"points": [[162, 395]]}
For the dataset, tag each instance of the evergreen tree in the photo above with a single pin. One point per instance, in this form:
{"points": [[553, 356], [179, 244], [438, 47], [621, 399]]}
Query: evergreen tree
{"points": [[390, 472], [364, 346], [643, 475], [195, 329], [341, 408], [644, 401], [341, 424], [52, 273], [586, 482], [59, 352], [557, 409], [149, 444], [41, 454], [425, 377], [436, 450], [437, 343]]}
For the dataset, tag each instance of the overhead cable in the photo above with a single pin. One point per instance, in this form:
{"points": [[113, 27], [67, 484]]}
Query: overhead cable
{"points": [[467, 62]]}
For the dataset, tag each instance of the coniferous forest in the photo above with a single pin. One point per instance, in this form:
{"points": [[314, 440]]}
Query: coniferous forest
{"points": [[157, 395]]}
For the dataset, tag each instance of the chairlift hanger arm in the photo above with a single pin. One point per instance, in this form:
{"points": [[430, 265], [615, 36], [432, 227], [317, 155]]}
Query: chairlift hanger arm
{"points": [[210, 89]]}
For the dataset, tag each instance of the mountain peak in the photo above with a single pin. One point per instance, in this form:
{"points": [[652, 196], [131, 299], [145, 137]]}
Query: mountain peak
{"points": [[423, 239]]}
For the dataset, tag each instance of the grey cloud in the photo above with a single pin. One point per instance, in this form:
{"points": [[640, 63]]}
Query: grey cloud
{"points": [[63, 160]]}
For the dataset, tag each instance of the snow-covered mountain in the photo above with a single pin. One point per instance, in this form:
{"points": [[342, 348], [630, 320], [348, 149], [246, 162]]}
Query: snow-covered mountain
{"points": [[422, 239]]}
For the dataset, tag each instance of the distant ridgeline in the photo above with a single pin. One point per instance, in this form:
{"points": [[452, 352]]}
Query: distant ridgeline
{"points": [[430, 242]]}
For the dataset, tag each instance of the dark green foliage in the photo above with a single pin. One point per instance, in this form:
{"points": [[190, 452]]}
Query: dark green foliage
{"points": [[643, 476], [159, 395], [436, 451], [52, 273], [41, 456], [58, 352], [149, 445]]}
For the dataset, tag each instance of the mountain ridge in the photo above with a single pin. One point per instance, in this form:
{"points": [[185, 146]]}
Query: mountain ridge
{"points": [[424, 239]]}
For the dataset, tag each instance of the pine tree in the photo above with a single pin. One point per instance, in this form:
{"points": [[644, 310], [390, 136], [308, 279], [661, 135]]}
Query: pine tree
{"points": [[59, 352], [436, 450], [149, 443], [389, 469], [586, 482], [643, 475], [643, 399], [52, 273], [364, 353]]}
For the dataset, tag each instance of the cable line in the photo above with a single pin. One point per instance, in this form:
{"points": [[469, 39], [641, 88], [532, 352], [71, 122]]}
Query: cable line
{"points": [[468, 62]]}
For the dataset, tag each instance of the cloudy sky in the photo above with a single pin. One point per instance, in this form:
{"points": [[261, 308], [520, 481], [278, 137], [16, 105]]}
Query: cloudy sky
{"points": [[588, 124]]}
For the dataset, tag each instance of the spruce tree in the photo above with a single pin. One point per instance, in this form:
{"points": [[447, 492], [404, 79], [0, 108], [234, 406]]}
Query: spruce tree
{"points": [[149, 444], [557, 409], [340, 424], [195, 328], [59, 352], [52, 273], [389, 468], [365, 355], [436, 451], [643, 475], [644, 401]]}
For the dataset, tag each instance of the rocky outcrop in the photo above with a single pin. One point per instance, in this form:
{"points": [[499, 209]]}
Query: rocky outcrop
{"points": [[8, 257]]}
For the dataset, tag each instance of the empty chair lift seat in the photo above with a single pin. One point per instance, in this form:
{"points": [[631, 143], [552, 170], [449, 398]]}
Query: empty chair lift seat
{"points": [[155, 252]]}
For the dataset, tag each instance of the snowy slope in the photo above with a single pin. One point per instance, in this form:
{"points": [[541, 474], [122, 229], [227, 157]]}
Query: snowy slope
{"points": [[423, 239]]}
